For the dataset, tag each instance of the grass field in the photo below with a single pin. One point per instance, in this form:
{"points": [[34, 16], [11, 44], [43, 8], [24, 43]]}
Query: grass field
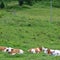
{"points": [[27, 27]]}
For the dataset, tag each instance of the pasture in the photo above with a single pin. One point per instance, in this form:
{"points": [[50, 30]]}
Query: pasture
{"points": [[27, 27]]}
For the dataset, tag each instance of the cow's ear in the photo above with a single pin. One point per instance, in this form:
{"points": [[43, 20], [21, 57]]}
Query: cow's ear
{"points": [[40, 48], [11, 49]]}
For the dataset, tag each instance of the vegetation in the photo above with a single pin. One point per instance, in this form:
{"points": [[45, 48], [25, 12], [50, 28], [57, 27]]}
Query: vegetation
{"points": [[27, 27], [56, 3], [2, 5]]}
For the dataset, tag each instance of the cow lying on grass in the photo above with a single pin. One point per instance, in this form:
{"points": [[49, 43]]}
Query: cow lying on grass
{"points": [[10, 50], [35, 50], [3, 48], [14, 51], [51, 51]]}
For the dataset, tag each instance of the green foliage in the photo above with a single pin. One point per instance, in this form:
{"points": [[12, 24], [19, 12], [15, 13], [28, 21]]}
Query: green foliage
{"points": [[2, 4], [56, 3]]}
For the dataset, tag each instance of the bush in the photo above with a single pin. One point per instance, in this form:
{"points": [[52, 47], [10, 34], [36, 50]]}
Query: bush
{"points": [[56, 3], [29, 2], [21, 2], [2, 5]]}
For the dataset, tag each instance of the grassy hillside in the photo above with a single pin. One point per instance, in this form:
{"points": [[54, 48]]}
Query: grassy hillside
{"points": [[26, 27]]}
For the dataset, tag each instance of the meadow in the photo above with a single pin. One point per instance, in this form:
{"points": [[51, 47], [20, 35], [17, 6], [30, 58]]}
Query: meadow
{"points": [[28, 27]]}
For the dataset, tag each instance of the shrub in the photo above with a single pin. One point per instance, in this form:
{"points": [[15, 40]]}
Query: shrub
{"points": [[2, 5]]}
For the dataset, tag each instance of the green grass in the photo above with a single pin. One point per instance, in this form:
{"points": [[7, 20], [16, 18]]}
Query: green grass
{"points": [[27, 27]]}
